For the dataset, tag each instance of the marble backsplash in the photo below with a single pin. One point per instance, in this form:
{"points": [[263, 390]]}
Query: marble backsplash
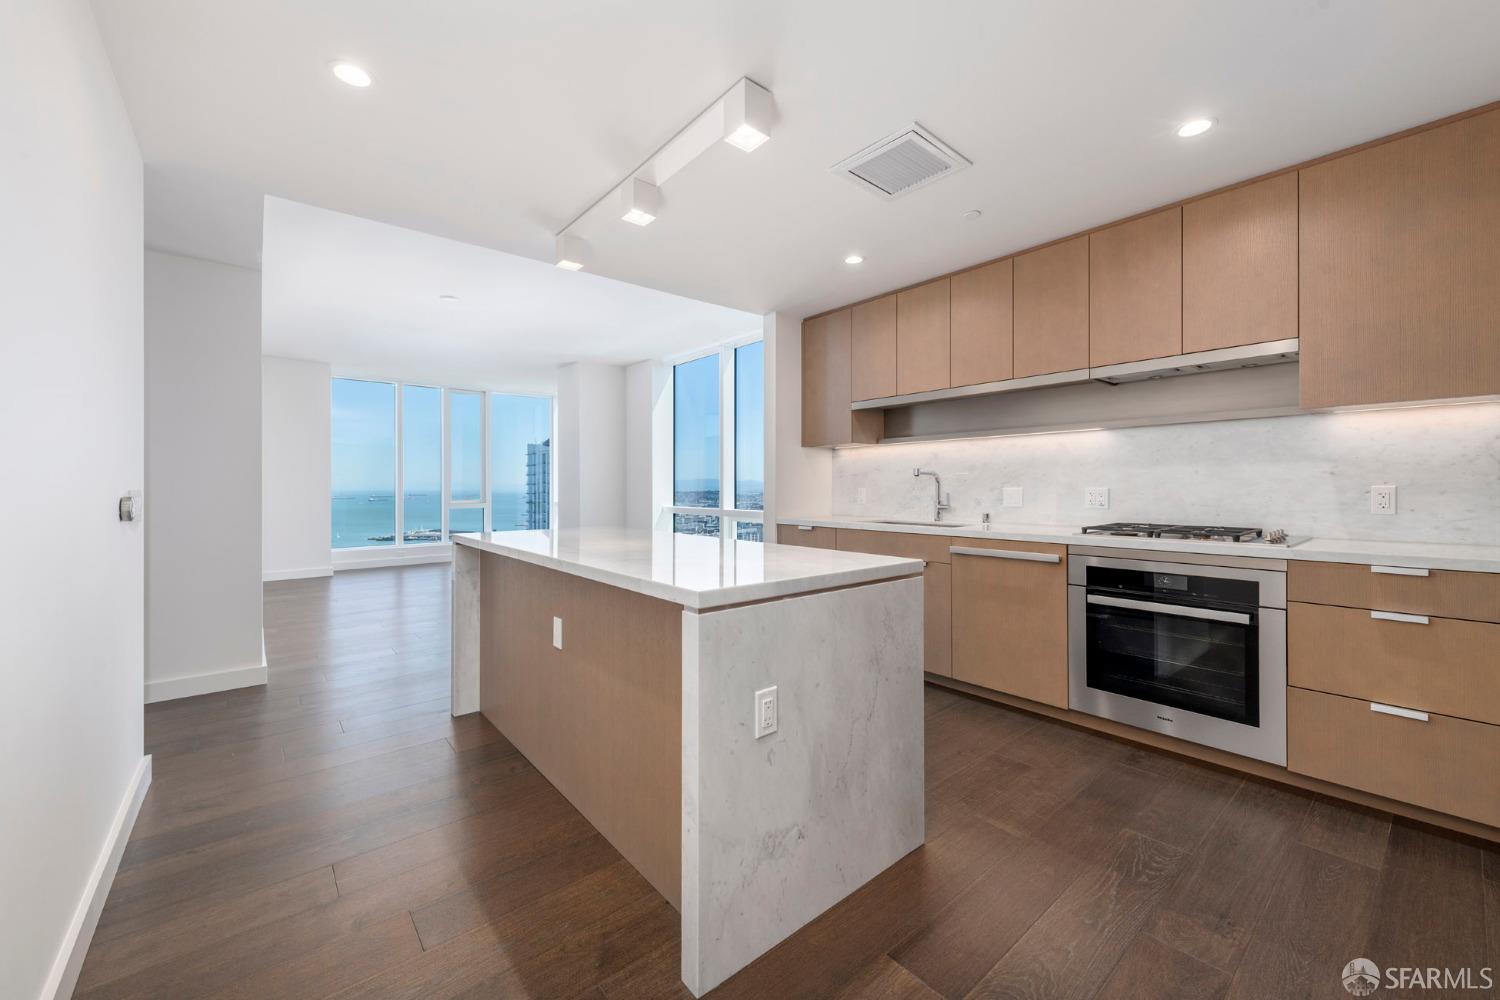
{"points": [[1309, 474]]}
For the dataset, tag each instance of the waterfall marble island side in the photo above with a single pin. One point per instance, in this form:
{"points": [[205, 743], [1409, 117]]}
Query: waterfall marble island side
{"points": [[625, 665]]}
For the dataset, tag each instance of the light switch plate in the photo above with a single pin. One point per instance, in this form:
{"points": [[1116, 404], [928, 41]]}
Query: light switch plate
{"points": [[1096, 497], [765, 711], [1382, 499], [1010, 496], [556, 633]]}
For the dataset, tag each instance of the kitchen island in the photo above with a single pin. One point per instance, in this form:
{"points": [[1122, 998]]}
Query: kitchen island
{"points": [[631, 668]]}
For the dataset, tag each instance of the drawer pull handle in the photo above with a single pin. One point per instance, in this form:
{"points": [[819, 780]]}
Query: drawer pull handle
{"points": [[1043, 557], [804, 527], [1396, 616], [1405, 713], [1398, 570]]}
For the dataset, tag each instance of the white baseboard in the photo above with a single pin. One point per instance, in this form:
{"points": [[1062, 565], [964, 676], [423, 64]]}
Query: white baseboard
{"points": [[210, 683], [75, 945], [378, 558], [307, 573]]}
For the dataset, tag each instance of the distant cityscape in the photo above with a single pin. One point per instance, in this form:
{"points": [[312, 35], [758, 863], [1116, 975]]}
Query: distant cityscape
{"points": [[750, 496]]}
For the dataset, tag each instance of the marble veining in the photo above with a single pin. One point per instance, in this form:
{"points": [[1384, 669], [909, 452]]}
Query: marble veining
{"points": [[777, 830], [1308, 474], [695, 571]]}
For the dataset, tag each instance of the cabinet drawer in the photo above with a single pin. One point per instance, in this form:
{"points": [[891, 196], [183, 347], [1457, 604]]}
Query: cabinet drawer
{"points": [[1441, 592], [1443, 763], [805, 535], [1447, 665], [929, 548]]}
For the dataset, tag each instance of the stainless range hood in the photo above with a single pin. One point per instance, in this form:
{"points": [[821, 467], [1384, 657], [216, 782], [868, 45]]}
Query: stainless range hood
{"points": [[1274, 352]]}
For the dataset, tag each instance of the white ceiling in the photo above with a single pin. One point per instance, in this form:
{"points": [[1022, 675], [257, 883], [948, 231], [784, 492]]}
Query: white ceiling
{"points": [[495, 123], [364, 296]]}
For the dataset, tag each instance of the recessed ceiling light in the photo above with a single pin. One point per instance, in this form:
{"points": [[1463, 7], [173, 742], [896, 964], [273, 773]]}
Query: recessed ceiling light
{"points": [[640, 201], [1195, 127], [448, 298], [972, 215], [354, 76], [854, 258]]}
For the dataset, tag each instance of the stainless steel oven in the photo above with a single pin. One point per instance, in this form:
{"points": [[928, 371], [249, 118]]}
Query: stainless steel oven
{"points": [[1191, 649]]}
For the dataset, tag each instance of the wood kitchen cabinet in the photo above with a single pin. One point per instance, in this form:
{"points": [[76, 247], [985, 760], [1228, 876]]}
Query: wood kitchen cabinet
{"points": [[873, 348], [1135, 289], [1051, 309], [827, 387], [1239, 266], [980, 324], [1399, 249], [922, 338], [1010, 618]]}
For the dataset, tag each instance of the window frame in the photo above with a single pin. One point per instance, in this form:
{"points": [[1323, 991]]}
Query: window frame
{"points": [[446, 474], [729, 516]]}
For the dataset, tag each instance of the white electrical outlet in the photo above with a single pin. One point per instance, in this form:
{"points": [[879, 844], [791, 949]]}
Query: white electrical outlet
{"points": [[556, 633], [860, 496], [1010, 496], [1382, 499], [1096, 497], [765, 711]]}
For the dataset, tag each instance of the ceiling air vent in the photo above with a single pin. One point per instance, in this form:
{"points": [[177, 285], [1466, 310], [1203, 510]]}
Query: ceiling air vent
{"points": [[901, 162]]}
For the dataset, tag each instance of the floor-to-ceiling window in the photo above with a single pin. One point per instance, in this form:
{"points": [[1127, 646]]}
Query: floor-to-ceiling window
{"points": [[435, 461], [421, 464], [364, 463], [718, 451], [520, 462], [749, 436]]}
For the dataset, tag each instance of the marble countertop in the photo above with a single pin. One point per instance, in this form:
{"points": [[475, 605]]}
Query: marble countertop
{"points": [[692, 570], [1425, 555]]}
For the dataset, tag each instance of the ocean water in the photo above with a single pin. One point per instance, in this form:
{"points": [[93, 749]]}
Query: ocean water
{"points": [[370, 518]]}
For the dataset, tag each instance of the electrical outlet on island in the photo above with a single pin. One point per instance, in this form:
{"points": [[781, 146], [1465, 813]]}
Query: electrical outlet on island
{"points": [[1382, 499]]}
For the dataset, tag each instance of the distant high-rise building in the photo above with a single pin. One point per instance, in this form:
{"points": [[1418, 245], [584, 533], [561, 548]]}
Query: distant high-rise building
{"points": [[539, 485]]}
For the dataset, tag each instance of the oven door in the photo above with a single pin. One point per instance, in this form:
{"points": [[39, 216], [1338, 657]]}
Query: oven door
{"points": [[1212, 675]]}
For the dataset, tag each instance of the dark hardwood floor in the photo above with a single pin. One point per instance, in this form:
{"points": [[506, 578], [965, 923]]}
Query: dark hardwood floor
{"points": [[339, 834]]}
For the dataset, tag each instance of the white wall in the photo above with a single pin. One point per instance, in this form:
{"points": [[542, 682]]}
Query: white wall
{"points": [[648, 442], [296, 468], [71, 433], [203, 586], [1309, 474], [590, 459]]}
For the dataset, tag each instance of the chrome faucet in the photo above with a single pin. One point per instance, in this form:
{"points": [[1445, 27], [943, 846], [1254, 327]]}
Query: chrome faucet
{"points": [[940, 502]]}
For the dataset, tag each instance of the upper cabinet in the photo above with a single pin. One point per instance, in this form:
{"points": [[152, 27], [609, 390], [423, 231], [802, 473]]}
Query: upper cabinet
{"points": [[1135, 289], [827, 386], [922, 338], [1239, 266], [1052, 309], [1399, 258], [980, 324], [874, 347]]}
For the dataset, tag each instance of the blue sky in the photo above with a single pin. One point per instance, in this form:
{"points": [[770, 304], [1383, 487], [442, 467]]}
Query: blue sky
{"points": [[695, 423], [364, 448]]}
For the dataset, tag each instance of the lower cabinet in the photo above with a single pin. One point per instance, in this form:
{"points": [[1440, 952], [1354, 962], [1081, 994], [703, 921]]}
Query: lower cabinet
{"points": [[937, 619], [1430, 760], [1010, 618], [805, 535]]}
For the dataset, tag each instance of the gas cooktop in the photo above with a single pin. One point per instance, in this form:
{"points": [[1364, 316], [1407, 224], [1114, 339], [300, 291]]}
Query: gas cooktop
{"points": [[1191, 532]]}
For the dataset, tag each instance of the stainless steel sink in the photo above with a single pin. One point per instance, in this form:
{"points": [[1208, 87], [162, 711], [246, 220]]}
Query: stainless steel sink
{"points": [[927, 524]]}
